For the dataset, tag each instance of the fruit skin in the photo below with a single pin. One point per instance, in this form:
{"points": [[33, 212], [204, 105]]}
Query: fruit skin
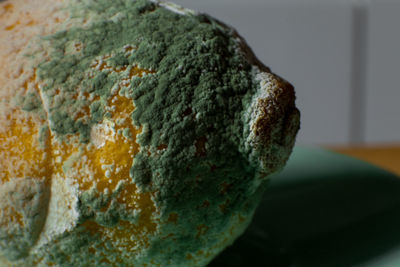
{"points": [[155, 129]]}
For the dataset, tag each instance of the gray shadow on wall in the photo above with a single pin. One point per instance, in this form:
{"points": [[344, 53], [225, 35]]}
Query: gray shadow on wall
{"points": [[323, 210]]}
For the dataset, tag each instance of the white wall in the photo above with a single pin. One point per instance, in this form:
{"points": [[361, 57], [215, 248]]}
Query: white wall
{"points": [[383, 80], [346, 88]]}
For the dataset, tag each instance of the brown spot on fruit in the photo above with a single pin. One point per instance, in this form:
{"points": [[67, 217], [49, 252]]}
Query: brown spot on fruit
{"points": [[200, 145]]}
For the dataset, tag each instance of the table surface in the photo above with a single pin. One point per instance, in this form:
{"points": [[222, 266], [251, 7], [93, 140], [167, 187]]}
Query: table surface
{"points": [[386, 157], [324, 209]]}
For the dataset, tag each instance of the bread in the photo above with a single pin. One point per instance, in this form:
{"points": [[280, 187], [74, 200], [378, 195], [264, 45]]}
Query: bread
{"points": [[132, 133]]}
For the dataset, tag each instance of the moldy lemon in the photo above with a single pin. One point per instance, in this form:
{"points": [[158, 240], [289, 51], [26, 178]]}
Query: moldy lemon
{"points": [[132, 133]]}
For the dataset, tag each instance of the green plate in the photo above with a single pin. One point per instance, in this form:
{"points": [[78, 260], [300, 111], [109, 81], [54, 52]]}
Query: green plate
{"points": [[323, 210]]}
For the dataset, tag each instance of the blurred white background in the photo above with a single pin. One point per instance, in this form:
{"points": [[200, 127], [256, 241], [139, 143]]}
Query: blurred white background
{"points": [[342, 56]]}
